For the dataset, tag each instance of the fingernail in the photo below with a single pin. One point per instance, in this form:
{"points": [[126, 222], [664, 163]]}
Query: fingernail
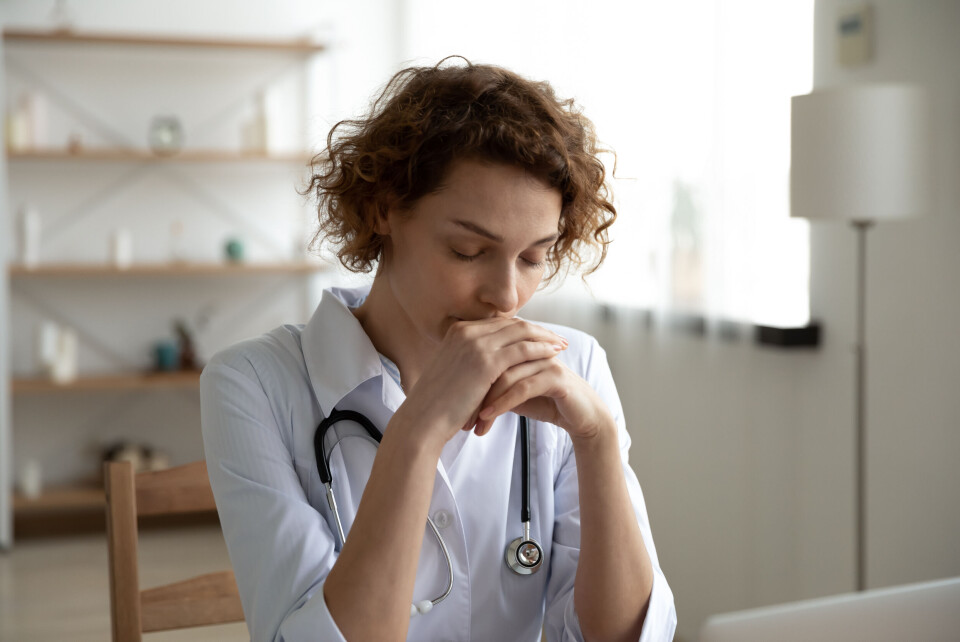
{"points": [[558, 347]]}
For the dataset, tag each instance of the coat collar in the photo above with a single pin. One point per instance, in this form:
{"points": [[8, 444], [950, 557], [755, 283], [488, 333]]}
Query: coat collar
{"points": [[338, 354]]}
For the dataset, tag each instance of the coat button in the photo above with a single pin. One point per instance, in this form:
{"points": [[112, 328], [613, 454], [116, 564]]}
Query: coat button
{"points": [[442, 518]]}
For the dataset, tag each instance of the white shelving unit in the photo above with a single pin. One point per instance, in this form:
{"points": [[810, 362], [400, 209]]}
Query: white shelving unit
{"points": [[63, 160]]}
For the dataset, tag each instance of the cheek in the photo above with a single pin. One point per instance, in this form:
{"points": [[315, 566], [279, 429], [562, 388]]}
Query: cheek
{"points": [[453, 284], [527, 286], [418, 267], [441, 284]]}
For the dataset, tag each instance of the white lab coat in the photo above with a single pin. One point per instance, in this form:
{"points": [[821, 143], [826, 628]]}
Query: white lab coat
{"points": [[262, 401]]}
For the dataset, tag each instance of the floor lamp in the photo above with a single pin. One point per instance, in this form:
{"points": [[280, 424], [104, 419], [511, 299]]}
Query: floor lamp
{"points": [[860, 154]]}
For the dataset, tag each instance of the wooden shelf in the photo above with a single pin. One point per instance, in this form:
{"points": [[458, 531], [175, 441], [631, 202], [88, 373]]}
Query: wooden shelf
{"points": [[62, 499], [109, 383], [146, 155], [89, 270], [298, 46]]}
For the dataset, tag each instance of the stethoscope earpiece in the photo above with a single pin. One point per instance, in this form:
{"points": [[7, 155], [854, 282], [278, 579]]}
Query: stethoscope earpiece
{"points": [[421, 608]]}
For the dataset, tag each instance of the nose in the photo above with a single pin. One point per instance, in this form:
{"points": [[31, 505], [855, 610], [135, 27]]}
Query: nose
{"points": [[499, 288]]}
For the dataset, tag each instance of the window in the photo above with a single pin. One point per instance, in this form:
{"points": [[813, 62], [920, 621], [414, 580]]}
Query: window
{"points": [[694, 96]]}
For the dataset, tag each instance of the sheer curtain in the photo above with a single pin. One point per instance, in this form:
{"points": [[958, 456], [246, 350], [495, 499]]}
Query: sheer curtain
{"points": [[694, 97], [704, 185]]}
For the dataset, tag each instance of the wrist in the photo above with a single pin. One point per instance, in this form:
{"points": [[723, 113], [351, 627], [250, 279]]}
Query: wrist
{"points": [[416, 432], [597, 438]]}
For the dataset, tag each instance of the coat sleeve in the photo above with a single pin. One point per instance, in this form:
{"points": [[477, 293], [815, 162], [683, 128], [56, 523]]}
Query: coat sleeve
{"points": [[280, 547], [561, 621]]}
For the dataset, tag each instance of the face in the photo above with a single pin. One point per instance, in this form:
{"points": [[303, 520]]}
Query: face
{"points": [[474, 249]]}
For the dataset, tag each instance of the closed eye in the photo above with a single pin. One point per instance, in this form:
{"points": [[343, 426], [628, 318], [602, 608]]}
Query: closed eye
{"points": [[465, 257], [460, 256]]}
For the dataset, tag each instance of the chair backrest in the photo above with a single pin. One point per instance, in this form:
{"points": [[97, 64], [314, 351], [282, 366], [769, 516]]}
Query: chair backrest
{"points": [[202, 600]]}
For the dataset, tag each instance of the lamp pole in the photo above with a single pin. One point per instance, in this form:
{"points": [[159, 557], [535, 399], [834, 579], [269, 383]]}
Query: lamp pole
{"points": [[860, 350]]}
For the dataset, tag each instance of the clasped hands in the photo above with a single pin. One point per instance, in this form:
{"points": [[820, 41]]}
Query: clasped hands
{"points": [[483, 369]]}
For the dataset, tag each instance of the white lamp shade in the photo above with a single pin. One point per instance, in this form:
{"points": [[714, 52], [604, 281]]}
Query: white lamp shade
{"points": [[860, 153]]}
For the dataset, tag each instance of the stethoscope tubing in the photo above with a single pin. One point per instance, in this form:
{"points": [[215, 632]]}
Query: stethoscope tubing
{"points": [[516, 560], [524, 472], [323, 462], [326, 476], [524, 555]]}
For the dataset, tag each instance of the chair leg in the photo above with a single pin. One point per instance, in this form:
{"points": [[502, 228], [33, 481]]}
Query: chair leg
{"points": [[121, 497]]}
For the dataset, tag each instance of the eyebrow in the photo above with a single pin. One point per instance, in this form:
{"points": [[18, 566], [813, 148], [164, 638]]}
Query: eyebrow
{"points": [[476, 229]]}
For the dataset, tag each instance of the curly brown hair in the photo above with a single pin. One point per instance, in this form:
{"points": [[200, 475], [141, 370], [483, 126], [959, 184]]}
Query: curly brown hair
{"points": [[428, 117]]}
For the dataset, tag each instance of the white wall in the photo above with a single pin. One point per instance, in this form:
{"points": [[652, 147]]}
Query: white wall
{"points": [[913, 310]]}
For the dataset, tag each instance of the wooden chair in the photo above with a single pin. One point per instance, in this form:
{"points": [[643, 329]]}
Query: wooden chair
{"points": [[202, 600]]}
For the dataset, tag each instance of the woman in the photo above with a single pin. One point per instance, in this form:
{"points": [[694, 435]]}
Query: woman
{"points": [[466, 187]]}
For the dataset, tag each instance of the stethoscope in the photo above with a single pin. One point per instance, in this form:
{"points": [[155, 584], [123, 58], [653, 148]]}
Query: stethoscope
{"points": [[523, 555]]}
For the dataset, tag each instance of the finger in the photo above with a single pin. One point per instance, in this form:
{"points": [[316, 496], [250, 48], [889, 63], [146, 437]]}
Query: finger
{"points": [[482, 427], [498, 404], [540, 383], [525, 352], [472, 422], [521, 330], [503, 331], [510, 377], [477, 327], [510, 342]]}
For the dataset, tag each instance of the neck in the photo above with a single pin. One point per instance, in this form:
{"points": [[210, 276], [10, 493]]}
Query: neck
{"points": [[392, 333]]}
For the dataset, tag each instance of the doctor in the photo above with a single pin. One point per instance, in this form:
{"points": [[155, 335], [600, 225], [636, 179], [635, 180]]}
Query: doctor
{"points": [[465, 188]]}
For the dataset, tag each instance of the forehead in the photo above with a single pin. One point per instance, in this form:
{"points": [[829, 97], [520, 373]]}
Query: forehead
{"points": [[496, 194]]}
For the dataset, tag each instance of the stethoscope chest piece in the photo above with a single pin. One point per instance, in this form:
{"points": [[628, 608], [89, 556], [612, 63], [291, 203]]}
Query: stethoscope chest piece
{"points": [[524, 555]]}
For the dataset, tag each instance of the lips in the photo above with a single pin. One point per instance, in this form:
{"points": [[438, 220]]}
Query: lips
{"points": [[482, 317]]}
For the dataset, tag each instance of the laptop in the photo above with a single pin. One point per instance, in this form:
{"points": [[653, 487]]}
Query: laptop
{"points": [[927, 611]]}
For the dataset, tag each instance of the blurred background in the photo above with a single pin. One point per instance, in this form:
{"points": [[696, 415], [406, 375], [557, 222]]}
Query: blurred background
{"points": [[150, 216]]}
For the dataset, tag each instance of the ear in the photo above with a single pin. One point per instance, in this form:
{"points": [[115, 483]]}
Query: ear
{"points": [[381, 225]]}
